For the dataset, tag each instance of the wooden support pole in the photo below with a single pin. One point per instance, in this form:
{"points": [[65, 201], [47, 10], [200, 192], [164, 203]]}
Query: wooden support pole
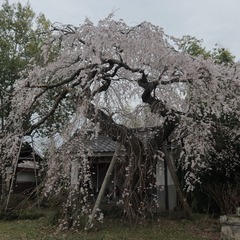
{"points": [[182, 198], [13, 175], [103, 187], [35, 171]]}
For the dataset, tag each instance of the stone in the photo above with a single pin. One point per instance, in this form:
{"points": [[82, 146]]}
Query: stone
{"points": [[230, 227], [238, 211]]}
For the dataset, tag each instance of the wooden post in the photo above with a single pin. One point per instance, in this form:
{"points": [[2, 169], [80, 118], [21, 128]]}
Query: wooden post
{"points": [[103, 187], [35, 171], [13, 175], [182, 198], [2, 113]]}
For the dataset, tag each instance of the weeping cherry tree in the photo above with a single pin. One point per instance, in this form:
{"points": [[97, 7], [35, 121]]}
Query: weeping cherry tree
{"points": [[99, 71]]}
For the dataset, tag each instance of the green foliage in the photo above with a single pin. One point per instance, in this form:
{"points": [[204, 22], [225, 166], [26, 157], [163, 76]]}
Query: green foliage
{"points": [[21, 35], [222, 55], [194, 47]]}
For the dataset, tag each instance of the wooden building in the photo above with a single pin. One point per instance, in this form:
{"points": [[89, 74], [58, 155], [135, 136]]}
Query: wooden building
{"points": [[101, 152], [26, 171]]}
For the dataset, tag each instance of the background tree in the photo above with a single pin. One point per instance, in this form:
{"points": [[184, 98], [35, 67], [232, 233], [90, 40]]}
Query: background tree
{"points": [[222, 55], [113, 62], [194, 47], [21, 35]]}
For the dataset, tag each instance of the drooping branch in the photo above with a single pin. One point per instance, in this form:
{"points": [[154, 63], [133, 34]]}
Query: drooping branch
{"points": [[65, 81], [58, 99]]}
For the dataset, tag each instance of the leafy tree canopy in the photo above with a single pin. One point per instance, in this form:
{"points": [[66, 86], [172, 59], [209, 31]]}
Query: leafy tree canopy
{"points": [[194, 47], [21, 35]]}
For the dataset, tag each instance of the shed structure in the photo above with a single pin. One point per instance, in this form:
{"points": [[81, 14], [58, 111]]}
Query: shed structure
{"points": [[26, 170], [101, 152]]}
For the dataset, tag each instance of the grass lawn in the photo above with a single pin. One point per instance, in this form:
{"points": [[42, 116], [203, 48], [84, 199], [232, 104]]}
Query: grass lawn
{"points": [[199, 228]]}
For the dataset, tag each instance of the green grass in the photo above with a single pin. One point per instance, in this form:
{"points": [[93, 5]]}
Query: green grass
{"points": [[199, 228]]}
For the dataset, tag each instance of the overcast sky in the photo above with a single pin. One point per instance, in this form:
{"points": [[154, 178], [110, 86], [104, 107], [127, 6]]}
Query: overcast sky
{"points": [[214, 21]]}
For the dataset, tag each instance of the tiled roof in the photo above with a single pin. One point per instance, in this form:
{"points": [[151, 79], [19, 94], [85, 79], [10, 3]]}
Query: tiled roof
{"points": [[102, 144]]}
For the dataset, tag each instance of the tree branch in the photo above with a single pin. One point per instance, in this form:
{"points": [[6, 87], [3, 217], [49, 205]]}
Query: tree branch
{"points": [[52, 110]]}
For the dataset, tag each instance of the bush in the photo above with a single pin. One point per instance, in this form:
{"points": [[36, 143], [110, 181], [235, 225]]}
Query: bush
{"points": [[226, 195]]}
